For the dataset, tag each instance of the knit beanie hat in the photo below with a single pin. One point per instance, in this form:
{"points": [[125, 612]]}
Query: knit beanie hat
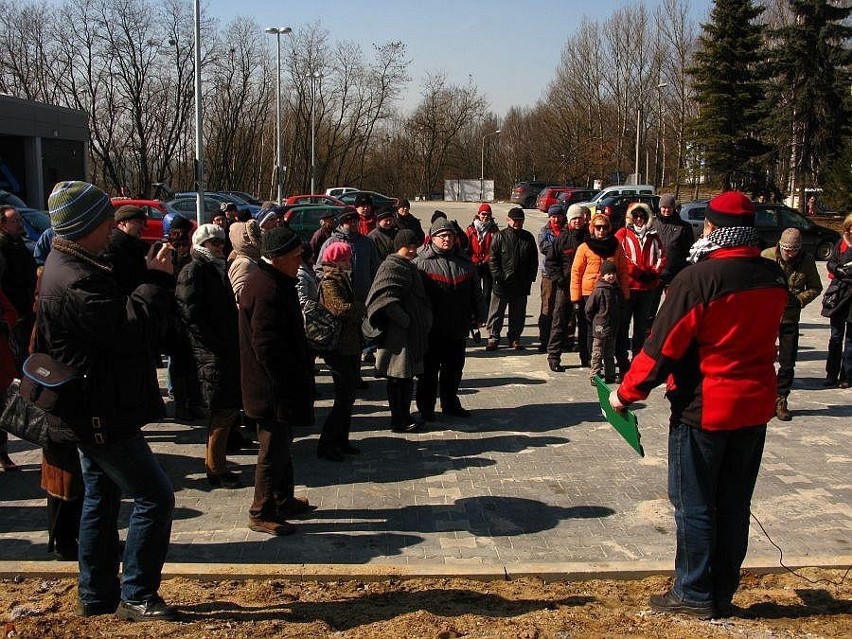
{"points": [[555, 209], [791, 239], [441, 225], [576, 211], [279, 241], [207, 232], [346, 213], [77, 208], [484, 207], [608, 267], [667, 200], [129, 212], [405, 237], [337, 252], [731, 208], [516, 213], [265, 216]]}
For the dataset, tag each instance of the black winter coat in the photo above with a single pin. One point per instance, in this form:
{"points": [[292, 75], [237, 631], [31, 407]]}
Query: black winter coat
{"points": [[276, 367], [560, 257], [18, 274], [86, 322], [514, 262], [677, 237], [206, 305], [452, 286], [127, 255], [413, 224]]}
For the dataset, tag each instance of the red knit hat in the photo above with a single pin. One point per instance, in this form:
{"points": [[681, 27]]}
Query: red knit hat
{"points": [[484, 207], [731, 208], [337, 252]]}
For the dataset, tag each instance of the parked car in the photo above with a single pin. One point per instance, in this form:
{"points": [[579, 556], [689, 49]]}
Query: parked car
{"points": [[549, 196], [185, 206], [576, 196], [337, 191], [313, 199], [379, 201], [524, 194], [625, 189], [615, 207], [223, 198], [245, 197], [304, 219], [156, 210], [770, 221]]}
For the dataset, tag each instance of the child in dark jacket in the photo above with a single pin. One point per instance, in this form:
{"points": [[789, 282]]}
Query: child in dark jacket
{"points": [[603, 309]]}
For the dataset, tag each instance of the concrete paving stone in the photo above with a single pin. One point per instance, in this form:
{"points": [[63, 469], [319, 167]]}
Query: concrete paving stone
{"points": [[533, 477]]}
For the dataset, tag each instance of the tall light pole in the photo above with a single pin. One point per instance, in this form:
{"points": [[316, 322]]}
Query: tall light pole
{"points": [[279, 170], [199, 140], [636, 163], [662, 85], [482, 164], [314, 76]]}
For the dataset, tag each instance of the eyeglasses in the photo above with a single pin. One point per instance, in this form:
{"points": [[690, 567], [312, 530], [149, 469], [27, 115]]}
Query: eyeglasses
{"points": [[599, 227]]}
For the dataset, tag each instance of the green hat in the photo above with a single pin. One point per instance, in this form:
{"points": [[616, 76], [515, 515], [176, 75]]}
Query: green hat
{"points": [[78, 208]]}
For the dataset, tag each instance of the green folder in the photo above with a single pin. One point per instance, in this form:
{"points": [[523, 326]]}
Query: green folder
{"points": [[626, 423]]}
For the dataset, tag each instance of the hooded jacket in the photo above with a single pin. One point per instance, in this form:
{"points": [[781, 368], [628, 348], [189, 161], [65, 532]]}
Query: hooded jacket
{"points": [[365, 260]]}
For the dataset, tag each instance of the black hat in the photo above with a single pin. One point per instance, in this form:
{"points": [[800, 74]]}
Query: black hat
{"points": [[403, 203], [129, 212], [405, 237], [346, 213], [179, 222], [437, 214], [329, 214], [363, 199], [608, 267], [279, 241], [385, 213], [516, 213]]}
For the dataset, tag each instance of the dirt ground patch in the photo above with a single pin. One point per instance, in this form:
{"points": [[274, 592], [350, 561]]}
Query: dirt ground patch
{"points": [[773, 606]]}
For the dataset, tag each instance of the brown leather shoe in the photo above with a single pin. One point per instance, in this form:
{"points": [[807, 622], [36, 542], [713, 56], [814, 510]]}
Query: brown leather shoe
{"points": [[518, 346], [296, 506], [491, 345], [278, 528], [781, 411]]}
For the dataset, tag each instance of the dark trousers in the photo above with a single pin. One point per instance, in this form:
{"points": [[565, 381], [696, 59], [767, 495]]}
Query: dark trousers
{"points": [[344, 371], [487, 282], [639, 310], [839, 362], [584, 335], [63, 524], [788, 350], [562, 325], [517, 316], [546, 315], [273, 476], [442, 372], [399, 401], [711, 480]]}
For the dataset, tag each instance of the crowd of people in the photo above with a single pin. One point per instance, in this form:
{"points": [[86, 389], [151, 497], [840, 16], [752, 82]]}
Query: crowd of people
{"points": [[226, 303]]}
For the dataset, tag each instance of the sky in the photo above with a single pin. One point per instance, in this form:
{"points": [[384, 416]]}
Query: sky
{"points": [[511, 49]]}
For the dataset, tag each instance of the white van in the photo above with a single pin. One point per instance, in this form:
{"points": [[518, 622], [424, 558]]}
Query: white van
{"points": [[624, 189], [337, 191]]}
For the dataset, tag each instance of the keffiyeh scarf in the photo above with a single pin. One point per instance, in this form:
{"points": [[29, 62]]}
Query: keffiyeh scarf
{"points": [[723, 237]]}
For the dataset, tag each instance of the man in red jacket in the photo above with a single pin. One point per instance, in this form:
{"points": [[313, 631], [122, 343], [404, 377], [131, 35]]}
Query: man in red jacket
{"points": [[713, 343]]}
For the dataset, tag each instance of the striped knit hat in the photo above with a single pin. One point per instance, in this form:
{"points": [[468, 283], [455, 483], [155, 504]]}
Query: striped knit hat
{"points": [[78, 208]]}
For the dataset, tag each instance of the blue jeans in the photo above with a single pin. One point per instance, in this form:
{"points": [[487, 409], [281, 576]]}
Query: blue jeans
{"points": [[126, 466], [711, 480]]}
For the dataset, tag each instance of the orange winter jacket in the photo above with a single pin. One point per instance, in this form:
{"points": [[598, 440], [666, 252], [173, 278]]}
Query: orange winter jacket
{"points": [[586, 271]]}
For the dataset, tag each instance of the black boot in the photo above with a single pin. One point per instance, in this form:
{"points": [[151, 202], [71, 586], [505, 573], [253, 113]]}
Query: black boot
{"points": [[401, 406]]}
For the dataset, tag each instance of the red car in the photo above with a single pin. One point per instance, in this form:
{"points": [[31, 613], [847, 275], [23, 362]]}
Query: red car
{"points": [[313, 199], [565, 195], [154, 209]]}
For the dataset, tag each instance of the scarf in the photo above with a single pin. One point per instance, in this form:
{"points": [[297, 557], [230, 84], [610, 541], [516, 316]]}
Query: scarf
{"points": [[482, 228], [723, 237], [605, 247], [205, 256], [70, 247], [555, 228]]}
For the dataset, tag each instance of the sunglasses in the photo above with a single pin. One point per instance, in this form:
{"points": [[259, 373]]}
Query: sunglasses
{"points": [[790, 247], [600, 227]]}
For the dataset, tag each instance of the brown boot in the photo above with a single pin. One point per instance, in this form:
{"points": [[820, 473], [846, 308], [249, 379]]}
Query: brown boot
{"points": [[781, 411]]}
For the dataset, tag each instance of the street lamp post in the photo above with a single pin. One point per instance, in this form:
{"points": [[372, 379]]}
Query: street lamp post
{"points": [[279, 172], [314, 76], [199, 140], [662, 85], [482, 164]]}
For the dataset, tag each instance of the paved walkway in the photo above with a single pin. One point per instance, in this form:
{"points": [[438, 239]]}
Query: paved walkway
{"points": [[534, 482]]}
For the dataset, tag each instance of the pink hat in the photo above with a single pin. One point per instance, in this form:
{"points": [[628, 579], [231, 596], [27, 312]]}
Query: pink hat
{"points": [[337, 252]]}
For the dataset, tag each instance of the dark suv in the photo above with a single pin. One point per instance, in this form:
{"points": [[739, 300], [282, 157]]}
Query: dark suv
{"points": [[524, 194], [770, 220]]}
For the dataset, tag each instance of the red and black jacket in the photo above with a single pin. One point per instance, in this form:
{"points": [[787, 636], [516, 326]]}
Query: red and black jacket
{"points": [[713, 342]]}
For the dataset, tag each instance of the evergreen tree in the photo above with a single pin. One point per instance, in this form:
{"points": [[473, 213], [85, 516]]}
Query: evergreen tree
{"points": [[729, 81], [810, 62]]}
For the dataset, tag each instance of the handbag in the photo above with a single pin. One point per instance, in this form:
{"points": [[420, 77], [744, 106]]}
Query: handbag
{"points": [[43, 406], [833, 299], [322, 329]]}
